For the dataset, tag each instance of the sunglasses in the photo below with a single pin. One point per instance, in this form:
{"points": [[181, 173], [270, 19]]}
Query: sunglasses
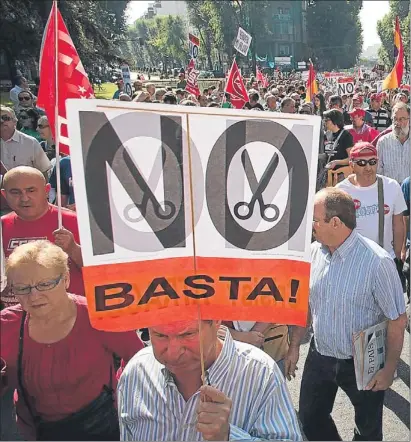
{"points": [[363, 163], [5, 118], [42, 126], [25, 98]]}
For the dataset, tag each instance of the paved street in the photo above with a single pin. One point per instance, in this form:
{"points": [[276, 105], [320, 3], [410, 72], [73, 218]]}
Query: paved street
{"points": [[397, 406]]}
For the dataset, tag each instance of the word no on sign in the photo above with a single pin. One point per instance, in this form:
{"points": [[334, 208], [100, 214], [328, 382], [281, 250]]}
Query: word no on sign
{"points": [[193, 207]]}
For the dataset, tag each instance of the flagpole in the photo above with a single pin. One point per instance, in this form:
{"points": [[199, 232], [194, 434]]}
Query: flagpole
{"points": [[56, 115]]}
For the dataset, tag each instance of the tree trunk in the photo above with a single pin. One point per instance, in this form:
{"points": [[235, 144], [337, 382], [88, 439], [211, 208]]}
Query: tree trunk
{"points": [[11, 64]]}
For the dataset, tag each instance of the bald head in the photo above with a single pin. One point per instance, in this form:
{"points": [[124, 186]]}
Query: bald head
{"points": [[26, 192], [17, 173]]}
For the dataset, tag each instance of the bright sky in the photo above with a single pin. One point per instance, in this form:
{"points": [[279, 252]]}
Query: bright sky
{"points": [[371, 12]]}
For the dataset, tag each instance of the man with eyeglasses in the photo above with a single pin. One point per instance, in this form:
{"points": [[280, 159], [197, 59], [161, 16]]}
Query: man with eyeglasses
{"points": [[19, 149], [353, 285], [363, 188], [33, 218], [394, 148]]}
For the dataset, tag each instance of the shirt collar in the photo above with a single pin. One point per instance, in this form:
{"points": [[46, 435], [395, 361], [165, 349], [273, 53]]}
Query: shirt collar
{"points": [[343, 250], [15, 137], [220, 365]]}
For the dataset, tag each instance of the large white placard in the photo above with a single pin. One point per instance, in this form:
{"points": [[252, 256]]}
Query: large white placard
{"points": [[243, 42]]}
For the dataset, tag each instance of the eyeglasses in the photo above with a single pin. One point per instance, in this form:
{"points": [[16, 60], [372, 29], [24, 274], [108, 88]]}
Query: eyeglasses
{"points": [[42, 286], [400, 120], [363, 163], [5, 118], [25, 98], [42, 126]]}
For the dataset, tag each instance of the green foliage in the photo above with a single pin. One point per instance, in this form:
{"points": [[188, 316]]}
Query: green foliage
{"points": [[164, 40], [335, 33], [385, 29], [94, 25]]}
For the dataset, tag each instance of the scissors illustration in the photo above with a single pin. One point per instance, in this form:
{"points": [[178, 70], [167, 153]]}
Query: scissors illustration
{"points": [[169, 208], [244, 210]]}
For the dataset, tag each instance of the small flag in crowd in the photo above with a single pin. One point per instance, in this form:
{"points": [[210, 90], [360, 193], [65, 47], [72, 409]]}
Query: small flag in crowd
{"points": [[235, 87], [192, 79], [262, 78], [72, 81], [394, 78], [312, 87]]}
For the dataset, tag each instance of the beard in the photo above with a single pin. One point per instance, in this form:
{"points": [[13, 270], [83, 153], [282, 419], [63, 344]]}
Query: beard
{"points": [[401, 132]]}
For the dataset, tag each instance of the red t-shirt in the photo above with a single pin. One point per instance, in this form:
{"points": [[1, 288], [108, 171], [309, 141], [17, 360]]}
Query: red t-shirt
{"points": [[65, 376], [17, 232], [367, 134]]}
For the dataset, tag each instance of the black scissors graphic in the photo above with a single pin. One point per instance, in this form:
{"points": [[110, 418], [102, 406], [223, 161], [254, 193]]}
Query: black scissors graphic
{"points": [[169, 208], [244, 210]]}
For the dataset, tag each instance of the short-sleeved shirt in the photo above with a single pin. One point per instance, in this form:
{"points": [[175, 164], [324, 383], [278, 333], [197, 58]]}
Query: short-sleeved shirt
{"points": [[66, 179], [366, 134], [366, 205], [352, 289], [394, 157], [23, 150], [17, 231], [338, 149]]}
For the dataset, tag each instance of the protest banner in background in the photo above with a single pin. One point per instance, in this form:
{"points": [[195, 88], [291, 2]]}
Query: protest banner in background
{"points": [[193, 45], [126, 75], [345, 85], [243, 42], [187, 207]]}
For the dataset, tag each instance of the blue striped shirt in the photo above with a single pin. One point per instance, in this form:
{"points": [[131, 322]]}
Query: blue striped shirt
{"points": [[354, 288], [151, 407]]}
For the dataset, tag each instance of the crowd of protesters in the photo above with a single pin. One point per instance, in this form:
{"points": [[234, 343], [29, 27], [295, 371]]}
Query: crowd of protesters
{"points": [[65, 373]]}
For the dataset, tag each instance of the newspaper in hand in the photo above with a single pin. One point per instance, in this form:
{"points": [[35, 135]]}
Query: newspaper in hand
{"points": [[369, 353]]}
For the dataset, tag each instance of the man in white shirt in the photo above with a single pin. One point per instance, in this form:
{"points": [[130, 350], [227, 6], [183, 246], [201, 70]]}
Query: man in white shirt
{"points": [[161, 395], [394, 153], [18, 149], [20, 85], [363, 188]]}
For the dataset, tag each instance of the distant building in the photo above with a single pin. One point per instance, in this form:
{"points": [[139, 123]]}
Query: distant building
{"points": [[166, 7], [288, 45]]}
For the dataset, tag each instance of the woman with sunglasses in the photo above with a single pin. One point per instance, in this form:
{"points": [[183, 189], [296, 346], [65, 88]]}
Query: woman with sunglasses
{"points": [[61, 366], [47, 143], [27, 123]]}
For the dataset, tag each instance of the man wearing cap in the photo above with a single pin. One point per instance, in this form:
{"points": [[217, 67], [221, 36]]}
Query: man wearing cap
{"points": [[358, 103], [359, 130], [363, 188], [381, 118]]}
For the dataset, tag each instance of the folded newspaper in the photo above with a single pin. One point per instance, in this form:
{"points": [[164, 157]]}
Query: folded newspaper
{"points": [[369, 353]]}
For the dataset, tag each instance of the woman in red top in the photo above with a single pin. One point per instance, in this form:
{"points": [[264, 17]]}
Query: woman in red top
{"points": [[61, 366]]}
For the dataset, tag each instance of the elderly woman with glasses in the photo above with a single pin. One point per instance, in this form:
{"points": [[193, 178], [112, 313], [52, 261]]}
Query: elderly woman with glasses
{"points": [[27, 122], [62, 367]]}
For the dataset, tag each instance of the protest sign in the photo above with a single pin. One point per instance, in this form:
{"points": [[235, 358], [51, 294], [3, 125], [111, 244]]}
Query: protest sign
{"points": [[345, 85], [125, 72], [187, 208], [243, 42], [193, 45]]}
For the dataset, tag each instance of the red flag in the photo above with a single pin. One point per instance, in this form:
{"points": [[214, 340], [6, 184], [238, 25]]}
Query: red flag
{"points": [[72, 81], [235, 87], [192, 79]]}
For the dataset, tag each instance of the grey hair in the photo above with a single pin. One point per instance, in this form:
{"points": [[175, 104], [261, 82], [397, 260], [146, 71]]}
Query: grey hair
{"points": [[338, 203], [9, 110]]}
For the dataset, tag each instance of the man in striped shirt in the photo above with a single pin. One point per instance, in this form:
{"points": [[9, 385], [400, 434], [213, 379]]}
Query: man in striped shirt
{"points": [[161, 395], [394, 148], [354, 285], [380, 116]]}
